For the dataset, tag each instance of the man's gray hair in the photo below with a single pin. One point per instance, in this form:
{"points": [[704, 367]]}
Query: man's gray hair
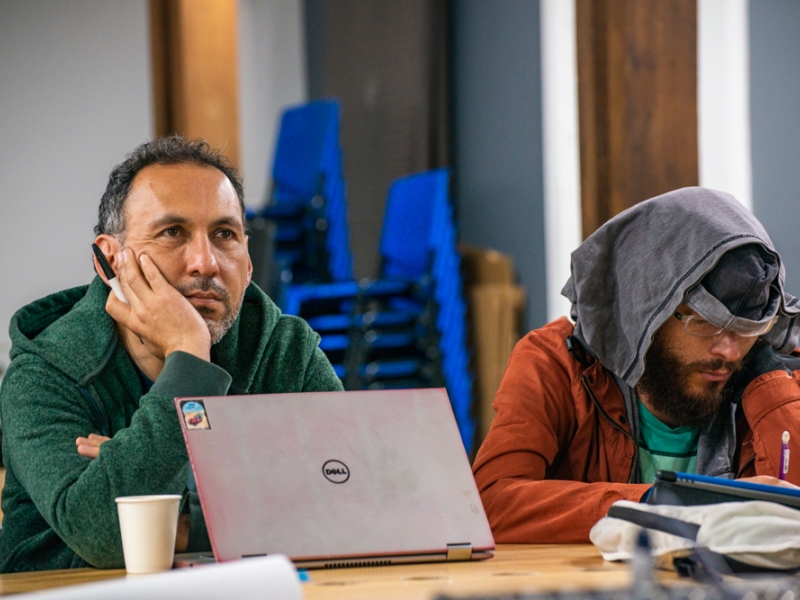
{"points": [[169, 150]]}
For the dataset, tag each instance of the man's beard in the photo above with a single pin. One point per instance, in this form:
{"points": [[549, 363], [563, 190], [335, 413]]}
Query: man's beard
{"points": [[217, 328], [665, 385]]}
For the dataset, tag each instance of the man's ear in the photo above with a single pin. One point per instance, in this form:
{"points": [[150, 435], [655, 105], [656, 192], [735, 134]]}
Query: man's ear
{"points": [[110, 246], [249, 261]]}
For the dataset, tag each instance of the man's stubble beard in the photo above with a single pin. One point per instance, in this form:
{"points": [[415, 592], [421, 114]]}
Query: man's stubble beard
{"points": [[217, 328], [665, 385]]}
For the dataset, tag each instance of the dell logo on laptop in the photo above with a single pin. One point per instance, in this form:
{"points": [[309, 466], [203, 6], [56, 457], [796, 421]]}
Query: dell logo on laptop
{"points": [[336, 471]]}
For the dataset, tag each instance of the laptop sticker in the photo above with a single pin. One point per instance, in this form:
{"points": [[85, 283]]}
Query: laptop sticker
{"points": [[194, 414]]}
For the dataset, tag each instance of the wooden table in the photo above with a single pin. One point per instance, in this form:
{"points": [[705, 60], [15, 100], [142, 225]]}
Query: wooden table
{"points": [[513, 569]]}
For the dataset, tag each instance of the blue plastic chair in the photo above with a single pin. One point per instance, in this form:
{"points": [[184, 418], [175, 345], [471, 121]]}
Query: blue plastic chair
{"points": [[406, 329], [307, 202], [305, 151]]}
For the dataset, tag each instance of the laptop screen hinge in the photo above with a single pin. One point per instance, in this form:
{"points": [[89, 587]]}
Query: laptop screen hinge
{"points": [[459, 551]]}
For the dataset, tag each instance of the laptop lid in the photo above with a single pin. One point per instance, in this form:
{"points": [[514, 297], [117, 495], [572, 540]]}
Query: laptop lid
{"points": [[332, 478]]}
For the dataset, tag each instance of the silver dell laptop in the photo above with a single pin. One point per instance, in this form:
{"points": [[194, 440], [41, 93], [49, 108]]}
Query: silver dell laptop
{"points": [[335, 478]]}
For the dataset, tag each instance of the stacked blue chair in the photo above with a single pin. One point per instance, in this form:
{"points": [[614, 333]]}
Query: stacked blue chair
{"points": [[407, 328], [307, 205]]}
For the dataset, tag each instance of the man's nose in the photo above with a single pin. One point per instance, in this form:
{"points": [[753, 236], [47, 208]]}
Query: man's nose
{"points": [[727, 346], [201, 261]]}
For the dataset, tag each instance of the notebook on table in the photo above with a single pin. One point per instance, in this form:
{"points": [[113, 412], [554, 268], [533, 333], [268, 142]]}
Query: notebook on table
{"points": [[335, 478]]}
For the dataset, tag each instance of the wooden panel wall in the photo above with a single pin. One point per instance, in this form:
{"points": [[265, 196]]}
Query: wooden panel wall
{"points": [[195, 71], [637, 73], [386, 62]]}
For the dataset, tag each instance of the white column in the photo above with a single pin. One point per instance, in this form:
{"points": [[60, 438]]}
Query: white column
{"points": [[561, 150], [723, 88]]}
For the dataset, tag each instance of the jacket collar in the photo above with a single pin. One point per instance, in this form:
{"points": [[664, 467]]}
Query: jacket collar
{"points": [[248, 337]]}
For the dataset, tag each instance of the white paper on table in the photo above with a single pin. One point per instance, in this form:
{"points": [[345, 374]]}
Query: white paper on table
{"points": [[266, 578]]}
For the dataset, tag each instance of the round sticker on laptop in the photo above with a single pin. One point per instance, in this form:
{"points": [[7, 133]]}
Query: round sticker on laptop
{"points": [[336, 471], [194, 414]]}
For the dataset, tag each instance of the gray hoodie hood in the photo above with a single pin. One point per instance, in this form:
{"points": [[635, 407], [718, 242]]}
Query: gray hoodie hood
{"points": [[632, 274]]}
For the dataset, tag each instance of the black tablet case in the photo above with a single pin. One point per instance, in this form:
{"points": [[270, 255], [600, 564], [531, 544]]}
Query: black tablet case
{"points": [[668, 489]]}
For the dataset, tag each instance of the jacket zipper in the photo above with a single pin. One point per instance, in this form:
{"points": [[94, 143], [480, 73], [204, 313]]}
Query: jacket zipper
{"points": [[634, 464], [744, 466]]}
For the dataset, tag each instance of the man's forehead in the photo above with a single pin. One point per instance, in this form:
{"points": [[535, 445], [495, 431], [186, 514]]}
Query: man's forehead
{"points": [[182, 189]]}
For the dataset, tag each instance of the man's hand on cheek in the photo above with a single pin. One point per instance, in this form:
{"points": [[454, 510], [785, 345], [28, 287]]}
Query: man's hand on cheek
{"points": [[158, 314]]}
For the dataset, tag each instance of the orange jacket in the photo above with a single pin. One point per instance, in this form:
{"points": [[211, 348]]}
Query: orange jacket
{"points": [[560, 450]]}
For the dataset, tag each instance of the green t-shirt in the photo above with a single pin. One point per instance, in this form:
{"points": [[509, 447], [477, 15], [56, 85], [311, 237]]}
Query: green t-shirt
{"points": [[663, 448]]}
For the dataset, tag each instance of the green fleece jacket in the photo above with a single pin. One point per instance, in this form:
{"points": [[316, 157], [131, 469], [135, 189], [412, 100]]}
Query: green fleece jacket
{"points": [[70, 376]]}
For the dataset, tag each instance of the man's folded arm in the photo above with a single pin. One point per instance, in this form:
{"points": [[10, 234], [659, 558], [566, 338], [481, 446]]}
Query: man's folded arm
{"points": [[519, 460], [524, 508], [43, 414]]}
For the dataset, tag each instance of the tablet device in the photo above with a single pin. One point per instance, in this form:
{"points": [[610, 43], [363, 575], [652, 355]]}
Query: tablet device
{"points": [[685, 489]]}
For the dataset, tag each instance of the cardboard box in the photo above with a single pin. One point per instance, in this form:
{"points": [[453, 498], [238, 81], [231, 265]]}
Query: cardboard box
{"points": [[496, 319], [482, 266], [495, 313]]}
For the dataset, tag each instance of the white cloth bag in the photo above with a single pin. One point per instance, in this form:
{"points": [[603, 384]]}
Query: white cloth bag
{"points": [[762, 534]]}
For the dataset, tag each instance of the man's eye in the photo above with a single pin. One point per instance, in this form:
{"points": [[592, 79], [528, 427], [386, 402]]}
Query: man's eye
{"points": [[172, 232], [225, 234]]}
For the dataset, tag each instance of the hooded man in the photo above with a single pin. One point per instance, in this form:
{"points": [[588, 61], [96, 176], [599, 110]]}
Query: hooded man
{"points": [[677, 359], [87, 402]]}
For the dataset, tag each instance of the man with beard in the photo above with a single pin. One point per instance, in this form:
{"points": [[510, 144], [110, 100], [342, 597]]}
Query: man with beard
{"points": [[87, 402], [678, 359]]}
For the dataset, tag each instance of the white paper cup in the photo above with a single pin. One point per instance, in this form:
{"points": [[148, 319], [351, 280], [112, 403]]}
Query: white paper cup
{"points": [[148, 525]]}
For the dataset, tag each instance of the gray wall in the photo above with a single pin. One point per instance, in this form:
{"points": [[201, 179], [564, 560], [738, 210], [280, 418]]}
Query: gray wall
{"points": [[75, 96], [498, 136], [775, 115]]}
